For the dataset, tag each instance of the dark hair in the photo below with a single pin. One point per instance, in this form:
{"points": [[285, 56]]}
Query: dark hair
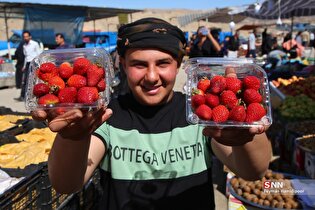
{"points": [[60, 34], [27, 32]]}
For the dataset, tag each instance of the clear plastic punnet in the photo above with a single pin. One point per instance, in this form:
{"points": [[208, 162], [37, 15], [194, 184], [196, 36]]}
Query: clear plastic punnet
{"points": [[63, 79], [215, 99]]}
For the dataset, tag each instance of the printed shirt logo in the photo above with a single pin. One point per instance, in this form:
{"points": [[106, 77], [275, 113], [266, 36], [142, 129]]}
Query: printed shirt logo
{"points": [[150, 156]]}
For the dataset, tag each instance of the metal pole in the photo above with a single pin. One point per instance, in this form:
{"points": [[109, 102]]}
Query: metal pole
{"points": [[7, 32], [94, 33]]}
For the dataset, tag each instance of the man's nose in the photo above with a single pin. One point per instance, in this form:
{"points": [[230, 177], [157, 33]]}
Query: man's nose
{"points": [[152, 74]]}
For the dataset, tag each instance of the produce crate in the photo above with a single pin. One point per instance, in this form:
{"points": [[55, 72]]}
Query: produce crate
{"points": [[36, 192], [276, 96], [306, 150], [33, 192]]}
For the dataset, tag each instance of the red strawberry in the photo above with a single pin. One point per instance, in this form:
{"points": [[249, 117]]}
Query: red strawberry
{"points": [[48, 99], [212, 100], [197, 100], [220, 114], [233, 84], [217, 84], [65, 70], [94, 75], [103, 70], [254, 112], [252, 96], [40, 89], [68, 95], [229, 99], [251, 82], [204, 112], [81, 65], [47, 71], [101, 85], [238, 113], [87, 95], [76, 81], [56, 83], [203, 84]]}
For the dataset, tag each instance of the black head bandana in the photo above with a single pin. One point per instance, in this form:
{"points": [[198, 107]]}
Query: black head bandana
{"points": [[151, 33]]}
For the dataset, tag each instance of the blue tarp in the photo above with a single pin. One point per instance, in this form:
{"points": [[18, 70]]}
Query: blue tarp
{"points": [[44, 23]]}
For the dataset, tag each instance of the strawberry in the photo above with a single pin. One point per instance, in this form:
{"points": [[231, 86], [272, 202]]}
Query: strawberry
{"points": [[217, 84], [94, 75], [204, 112], [103, 70], [87, 95], [48, 99], [251, 96], [229, 99], [81, 65], [65, 70], [238, 113], [68, 95], [254, 112], [197, 100], [220, 114], [40, 89], [251, 82], [76, 81], [212, 100], [56, 83], [101, 85], [203, 84], [47, 71], [233, 84]]}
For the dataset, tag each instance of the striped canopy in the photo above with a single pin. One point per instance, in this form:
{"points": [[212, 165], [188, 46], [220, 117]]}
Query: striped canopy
{"points": [[272, 9]]}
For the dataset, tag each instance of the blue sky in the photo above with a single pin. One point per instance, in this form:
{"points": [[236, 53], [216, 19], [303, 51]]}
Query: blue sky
{"points": [[142, 4]]}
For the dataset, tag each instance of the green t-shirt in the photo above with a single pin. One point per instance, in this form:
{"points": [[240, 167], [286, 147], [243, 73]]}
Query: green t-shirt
{"points": [[154, 158]]}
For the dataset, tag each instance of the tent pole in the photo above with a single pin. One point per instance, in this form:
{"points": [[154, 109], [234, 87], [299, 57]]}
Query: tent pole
{"points": [[94, 33], [7, 32]]}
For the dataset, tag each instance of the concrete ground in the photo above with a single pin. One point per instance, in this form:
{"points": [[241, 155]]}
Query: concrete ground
{"points": [[7, 96]]}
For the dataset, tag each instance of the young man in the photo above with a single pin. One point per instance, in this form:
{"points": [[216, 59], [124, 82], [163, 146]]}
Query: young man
{"points": [[31, 49], [149, 156]]}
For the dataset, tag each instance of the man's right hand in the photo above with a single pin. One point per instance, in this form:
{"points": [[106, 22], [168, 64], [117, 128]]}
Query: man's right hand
{"points": [[74, 124]]}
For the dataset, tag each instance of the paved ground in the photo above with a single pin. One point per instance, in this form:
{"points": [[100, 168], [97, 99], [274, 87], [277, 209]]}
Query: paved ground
{"points": [[7, 96]]}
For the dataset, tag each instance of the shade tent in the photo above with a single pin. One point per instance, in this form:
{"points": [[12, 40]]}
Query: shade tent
{"points": [[30, 12], [273, 9], [16, 10]]}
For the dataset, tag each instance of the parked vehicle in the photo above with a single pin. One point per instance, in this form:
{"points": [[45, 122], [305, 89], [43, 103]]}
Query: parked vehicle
{"points": [[103, 39]]}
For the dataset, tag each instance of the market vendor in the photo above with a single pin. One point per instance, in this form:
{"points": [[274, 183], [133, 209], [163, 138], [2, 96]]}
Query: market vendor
{"points": [[149, 156]]}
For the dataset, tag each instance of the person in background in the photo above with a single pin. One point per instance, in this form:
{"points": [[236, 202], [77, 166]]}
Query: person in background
{"points": [[298, 37], [205, 45], [31, 49], [137, 140], [312, 38], [60, 40], [234, 45], [20, 57], [267, 42], [305, 36], [252, 45]]}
